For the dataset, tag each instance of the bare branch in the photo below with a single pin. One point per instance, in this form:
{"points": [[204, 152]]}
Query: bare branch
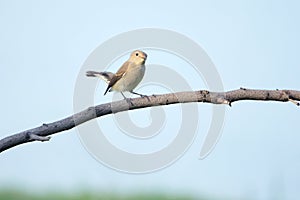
{"points": [[38, 138], [41, 133]]}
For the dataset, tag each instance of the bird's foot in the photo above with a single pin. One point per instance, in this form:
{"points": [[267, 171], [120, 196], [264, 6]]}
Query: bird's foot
{"points": [[145, 96], [141, 95], [128, 100]]}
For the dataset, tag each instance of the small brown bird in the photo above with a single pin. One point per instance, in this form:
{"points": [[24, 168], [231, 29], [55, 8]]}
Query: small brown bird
{"points": [[127, 77]]}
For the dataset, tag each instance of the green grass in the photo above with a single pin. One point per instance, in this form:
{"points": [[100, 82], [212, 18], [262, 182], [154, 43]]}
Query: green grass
{"points": [[22, 195]]}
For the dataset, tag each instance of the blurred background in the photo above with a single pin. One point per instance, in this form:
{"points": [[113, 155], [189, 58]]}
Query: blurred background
{"points": [[254, 44]]}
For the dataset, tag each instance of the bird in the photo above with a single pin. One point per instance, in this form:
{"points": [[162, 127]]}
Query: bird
{"points": [[128, 76]]}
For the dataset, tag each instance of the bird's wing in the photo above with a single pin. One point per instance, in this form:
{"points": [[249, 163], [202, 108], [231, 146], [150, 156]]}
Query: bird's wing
{"points": [[120, 73]]}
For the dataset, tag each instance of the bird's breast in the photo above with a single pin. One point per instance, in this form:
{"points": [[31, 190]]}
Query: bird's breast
{"points": [[130, 79]]}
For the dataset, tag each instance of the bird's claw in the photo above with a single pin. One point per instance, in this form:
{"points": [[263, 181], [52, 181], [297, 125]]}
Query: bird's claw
{"points": [[128, 100], [145, 96]]}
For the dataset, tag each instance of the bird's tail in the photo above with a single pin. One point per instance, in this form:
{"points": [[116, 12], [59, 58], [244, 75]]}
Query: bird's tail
{"points": [[106, 76]]}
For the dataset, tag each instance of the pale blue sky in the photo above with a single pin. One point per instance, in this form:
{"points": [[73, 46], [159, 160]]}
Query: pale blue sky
{"points": [[253, 44]]}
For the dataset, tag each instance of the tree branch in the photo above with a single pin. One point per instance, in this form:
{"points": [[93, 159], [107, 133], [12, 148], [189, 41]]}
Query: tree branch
{"points": [[41, 133]]}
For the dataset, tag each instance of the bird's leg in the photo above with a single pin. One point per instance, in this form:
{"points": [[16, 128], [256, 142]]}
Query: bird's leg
{"points": [[127, 99], [143, 96]]}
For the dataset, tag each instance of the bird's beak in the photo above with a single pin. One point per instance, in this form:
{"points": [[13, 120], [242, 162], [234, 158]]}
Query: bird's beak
{"points": [[144, 56]]}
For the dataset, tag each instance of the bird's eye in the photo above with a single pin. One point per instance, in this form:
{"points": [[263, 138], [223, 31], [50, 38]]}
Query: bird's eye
{"points": [[137, 54]]}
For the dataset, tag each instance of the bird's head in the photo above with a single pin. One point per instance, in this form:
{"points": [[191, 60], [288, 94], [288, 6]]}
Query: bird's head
{"points": [[138, 57]]}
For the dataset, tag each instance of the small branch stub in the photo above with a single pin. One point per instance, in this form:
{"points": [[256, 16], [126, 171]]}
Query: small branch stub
{"points": [[294, 102]]}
